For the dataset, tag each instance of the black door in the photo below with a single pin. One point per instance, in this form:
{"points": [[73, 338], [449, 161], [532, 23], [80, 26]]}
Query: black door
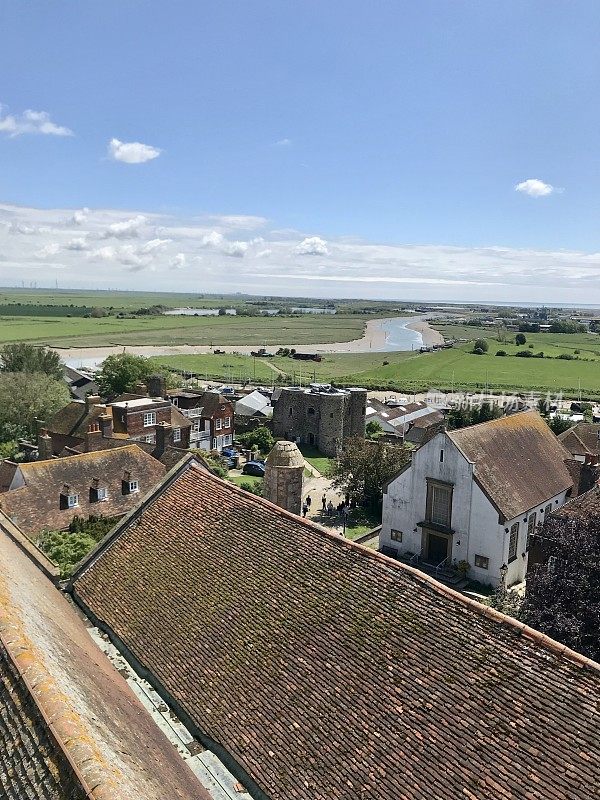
{"points": [[437, 548]]}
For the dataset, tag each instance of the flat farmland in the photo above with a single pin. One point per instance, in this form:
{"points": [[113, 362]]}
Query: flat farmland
{"points": [[181, 330], [409, 372]]}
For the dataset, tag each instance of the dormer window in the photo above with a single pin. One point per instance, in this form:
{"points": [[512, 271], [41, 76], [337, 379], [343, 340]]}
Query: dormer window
{"points": [[149, 418], [100, 493], [130, 486], [72, 500]]}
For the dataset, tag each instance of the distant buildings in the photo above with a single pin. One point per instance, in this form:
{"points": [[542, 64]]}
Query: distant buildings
{"points": [[400, 418], [319, 415], [475, 495]]}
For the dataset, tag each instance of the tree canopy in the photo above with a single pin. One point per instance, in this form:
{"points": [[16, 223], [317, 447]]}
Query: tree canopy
{"points": [[25, 397], [23, 357], [563, 594], [121, 372], [364, 466], [462, 417], [260, 438]]}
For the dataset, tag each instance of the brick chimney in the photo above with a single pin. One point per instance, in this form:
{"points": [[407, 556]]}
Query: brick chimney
{"points": [[92, 400], [163, 437], [157, 386], [93, 438], [44, 443], [106, 425], [140, 389]]}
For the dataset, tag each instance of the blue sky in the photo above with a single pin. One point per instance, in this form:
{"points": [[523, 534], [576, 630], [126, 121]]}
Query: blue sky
{"points": [[394, 133]]}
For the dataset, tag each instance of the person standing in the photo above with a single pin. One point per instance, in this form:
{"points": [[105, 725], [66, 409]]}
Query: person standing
{"points": [[308, 501], [304, 509], [324, 503]]}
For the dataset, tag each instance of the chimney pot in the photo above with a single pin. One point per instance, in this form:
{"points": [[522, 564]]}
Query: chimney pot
{"points": [[92, 400]]}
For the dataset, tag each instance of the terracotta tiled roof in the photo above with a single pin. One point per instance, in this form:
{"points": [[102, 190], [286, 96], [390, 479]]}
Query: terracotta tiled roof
{"points": [[518, 461], [582, 508], [329, 671], [37, 506], [70, 727], [582, 439]]}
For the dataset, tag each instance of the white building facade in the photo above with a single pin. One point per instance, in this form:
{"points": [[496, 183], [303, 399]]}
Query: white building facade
{"points": [[448, 507]]}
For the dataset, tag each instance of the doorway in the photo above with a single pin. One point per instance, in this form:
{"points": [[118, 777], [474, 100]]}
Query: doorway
{"points": [[437, 548]]}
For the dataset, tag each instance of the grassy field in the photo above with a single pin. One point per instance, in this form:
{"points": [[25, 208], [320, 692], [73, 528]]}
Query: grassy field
{"points": [[457, 368], [164, 330]]}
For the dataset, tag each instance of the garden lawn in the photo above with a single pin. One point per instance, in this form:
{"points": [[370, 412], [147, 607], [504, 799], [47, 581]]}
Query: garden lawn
{"points": [[316, 458]]}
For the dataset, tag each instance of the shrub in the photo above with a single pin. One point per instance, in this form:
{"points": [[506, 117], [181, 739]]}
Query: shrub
{"points": [[539, 355], [478, 351], [480, 344], [520, 339], [524, 354], [568, 357], [501, 353]]}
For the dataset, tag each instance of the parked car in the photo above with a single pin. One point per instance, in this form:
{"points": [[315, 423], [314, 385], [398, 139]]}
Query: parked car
{"points": [[229, 452], [255, 468]]}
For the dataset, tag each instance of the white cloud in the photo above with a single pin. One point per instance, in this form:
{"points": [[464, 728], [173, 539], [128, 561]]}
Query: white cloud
{"points": [[283, 143], [312, 246], [31, 122], [50, 249], [79, 217], [277, 262], [245, 222], [236, 249], [154, 244], [77, 244], [127, 229], [535, 188], [25, 230], [212, 239], [132, 152], [216, 241], [178, 261]]}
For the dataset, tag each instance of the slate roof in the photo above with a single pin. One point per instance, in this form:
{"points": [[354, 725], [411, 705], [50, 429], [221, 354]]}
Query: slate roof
{"points": [[37, 506], [70, 727], [330, 672], [519, 462], [582, 439]]}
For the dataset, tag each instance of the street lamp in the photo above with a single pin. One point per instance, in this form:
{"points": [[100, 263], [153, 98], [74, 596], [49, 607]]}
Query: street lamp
{"points": [[345, 519], [503, 574]]}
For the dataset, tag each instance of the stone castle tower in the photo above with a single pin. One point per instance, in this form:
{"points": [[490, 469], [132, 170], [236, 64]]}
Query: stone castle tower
{"points": [[284, 469]]}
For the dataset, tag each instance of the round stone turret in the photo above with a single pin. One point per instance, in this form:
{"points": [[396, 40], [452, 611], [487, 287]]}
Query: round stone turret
{"points": [[284, 469]]}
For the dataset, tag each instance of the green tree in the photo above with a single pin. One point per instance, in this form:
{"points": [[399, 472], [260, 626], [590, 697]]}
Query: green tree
{"points": [[364, 466], [520, 339], [23, 357], [120, 373], [260, 438], [558, 425], [26, 397], [373, 429], [481, 344]]}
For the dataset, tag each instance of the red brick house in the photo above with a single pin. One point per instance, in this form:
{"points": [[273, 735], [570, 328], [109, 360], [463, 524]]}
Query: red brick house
{"points": [[210, 415], [88, 425]]}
